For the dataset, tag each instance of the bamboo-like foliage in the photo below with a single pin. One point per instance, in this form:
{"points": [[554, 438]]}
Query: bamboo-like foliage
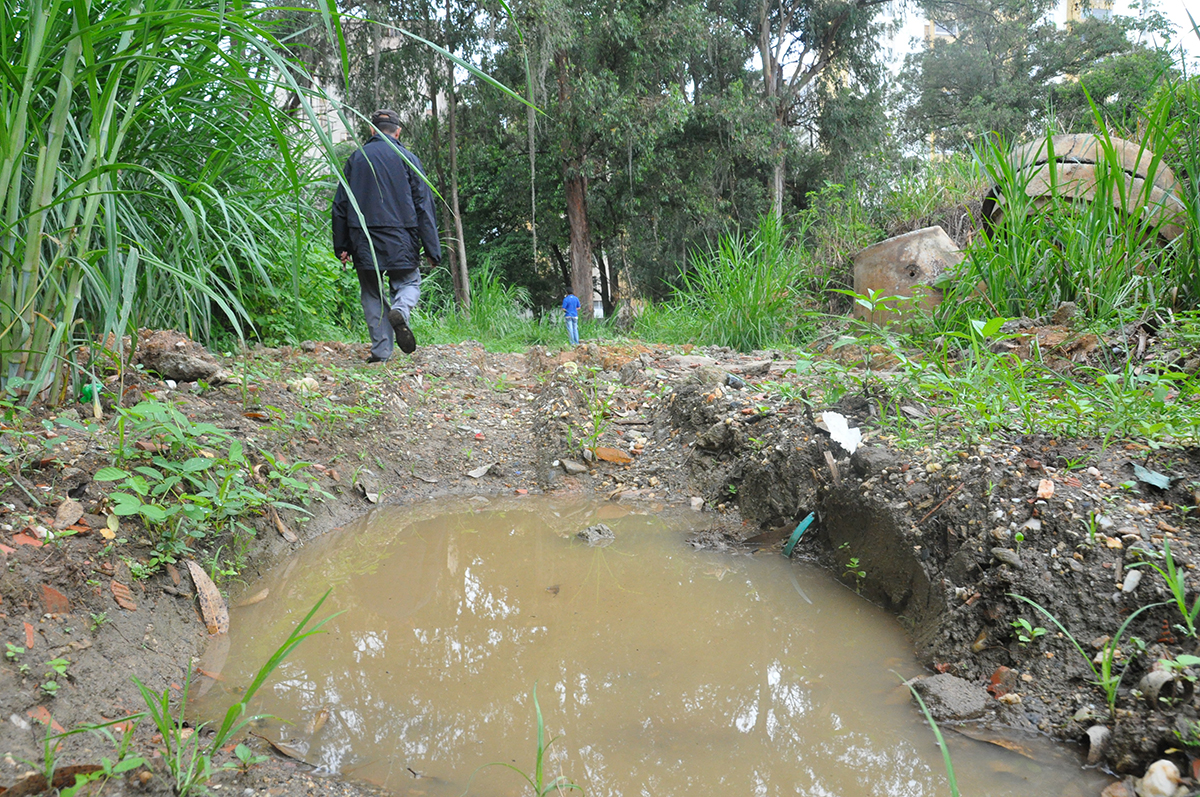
{"points": [[145, 172]]}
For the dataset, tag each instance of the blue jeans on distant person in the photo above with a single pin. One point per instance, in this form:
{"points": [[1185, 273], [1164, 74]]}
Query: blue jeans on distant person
{"points": [[573, 329]]}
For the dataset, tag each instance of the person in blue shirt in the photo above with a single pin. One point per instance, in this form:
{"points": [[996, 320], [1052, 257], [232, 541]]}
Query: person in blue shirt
{"points": [[571, 310]]}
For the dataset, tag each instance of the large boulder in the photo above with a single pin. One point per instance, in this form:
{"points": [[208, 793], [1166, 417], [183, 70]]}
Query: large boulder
{"points": [[906, 269]]}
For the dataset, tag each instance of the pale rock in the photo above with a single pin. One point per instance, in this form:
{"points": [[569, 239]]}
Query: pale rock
{"points": [[1132, 579], [1161, 780], [572, 467], [1098, 736], [697, 503]]}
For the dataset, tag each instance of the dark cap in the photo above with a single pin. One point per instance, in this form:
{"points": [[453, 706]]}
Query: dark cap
{"points": [[386, 117]]}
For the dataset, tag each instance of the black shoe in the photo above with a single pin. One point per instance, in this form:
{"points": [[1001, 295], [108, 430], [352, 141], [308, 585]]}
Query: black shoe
{"points": [[404, 335], [373, 359]]}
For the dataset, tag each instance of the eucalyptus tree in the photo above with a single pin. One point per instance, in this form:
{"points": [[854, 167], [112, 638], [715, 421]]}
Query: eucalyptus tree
{"points": [[807, 51], [997, 64]]}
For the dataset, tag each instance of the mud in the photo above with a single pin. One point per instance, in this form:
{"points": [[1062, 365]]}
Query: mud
{"points": [[933, 529]]}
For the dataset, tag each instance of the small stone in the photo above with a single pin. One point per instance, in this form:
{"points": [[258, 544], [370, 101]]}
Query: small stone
{"points": [[1161, 780], [1008, 557], [1122, 788], [572, 467], [1093, 471], [1000, 534], [1033, 524], [1045, 490], [1114, 542], [1075, 565], [1132, 579], [951, 698], [697, 503], [1011, 699], [597, 536], [1098, 737]]}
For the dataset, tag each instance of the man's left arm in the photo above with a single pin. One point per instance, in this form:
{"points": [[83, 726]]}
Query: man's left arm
{"points": [[427, 226]]}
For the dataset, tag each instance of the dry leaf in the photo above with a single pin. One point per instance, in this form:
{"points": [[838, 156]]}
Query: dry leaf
{"points": [[257, 597], [69, 513], [318, 721], [282, 749], [481, 471], [174, 574], [123, 596], [212, 605], [282, 528], [613, 455]]}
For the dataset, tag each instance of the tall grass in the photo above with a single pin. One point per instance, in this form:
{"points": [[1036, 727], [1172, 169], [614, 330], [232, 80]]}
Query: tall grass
{"points": [[146, 174], [1108, 247], [500, 315], [745, 292]]}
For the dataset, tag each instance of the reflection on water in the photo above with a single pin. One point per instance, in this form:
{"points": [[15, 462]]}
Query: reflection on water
{"points": [[665, 671]]}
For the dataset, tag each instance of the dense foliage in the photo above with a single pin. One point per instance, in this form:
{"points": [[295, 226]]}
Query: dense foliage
{"points": [[162, 164]]}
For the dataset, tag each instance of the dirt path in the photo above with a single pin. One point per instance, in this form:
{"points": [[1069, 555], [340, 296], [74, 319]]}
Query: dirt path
{"points": [[941, 535]]}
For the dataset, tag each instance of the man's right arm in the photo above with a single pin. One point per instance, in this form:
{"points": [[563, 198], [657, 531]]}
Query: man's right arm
{"points": [[341, 224]]}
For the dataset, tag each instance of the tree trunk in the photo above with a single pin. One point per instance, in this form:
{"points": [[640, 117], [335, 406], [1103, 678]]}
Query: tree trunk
{"points": [[451, 253], [562, 266], [606, 296], [777, 179], [463, 282], [531, 122], [575, 188]]}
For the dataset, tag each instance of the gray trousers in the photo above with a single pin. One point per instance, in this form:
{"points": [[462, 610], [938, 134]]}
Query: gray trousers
{"points": [[403, 292]]}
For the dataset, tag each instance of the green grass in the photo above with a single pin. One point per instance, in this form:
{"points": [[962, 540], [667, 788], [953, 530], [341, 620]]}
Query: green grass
{"points": [[745, 292]]}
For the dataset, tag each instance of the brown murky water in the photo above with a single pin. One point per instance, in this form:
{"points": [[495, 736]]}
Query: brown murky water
{"points": [[663, 670]]}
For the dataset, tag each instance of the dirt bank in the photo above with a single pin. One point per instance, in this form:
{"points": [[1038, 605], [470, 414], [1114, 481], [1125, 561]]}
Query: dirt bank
{"points": [[941, 535]]}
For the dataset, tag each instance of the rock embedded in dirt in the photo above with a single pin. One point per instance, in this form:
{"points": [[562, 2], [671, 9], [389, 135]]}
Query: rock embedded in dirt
{"points": [[572, 467], [868, 461], [1161, 780], [174, 356], [1098, 737], [1008, 557], [597, 536], [949, 697]]}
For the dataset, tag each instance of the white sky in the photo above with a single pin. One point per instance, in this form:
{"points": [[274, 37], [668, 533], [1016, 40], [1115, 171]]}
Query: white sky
{"points": [[1174, 10]]}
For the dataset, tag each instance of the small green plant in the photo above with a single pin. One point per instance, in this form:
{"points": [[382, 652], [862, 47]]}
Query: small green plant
{"points": [[57, 671], [1019, 538], [1026, 632], [599, 404], [1192, 737], [12, 652], [189, 761], [1091, 524], [247, 758], [536, 780], [109, 767], [1174, 576], [853, 569], [97, 619], [1105, 675]]}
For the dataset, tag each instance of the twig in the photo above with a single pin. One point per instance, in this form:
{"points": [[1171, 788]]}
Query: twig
{"points": [[941, 503]]}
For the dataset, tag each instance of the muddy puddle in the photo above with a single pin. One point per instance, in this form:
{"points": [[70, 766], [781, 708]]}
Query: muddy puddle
{"points": [[664, 670]]}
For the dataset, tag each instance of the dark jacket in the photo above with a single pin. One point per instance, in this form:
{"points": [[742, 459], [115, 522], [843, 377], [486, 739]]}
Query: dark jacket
{"points": [[392, 197]]}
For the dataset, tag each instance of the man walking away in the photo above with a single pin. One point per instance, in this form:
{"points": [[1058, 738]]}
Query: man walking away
{"points": [[571, 309], [384, 236]]}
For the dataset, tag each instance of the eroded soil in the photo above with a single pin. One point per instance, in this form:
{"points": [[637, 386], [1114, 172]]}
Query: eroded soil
{"points": [[933, 530]]}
